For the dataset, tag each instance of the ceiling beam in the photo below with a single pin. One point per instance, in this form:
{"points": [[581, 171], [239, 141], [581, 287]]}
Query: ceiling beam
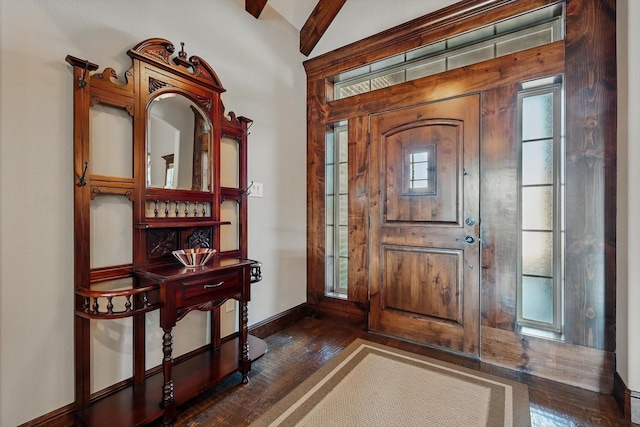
{"points": [[255, 7], [317, 23]]}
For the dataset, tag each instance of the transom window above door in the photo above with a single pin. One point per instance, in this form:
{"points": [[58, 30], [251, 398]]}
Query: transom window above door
{"points": [[532, 29]]}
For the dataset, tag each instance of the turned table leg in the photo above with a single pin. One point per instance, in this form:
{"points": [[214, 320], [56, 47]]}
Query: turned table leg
{"points": [[244, 335], [167, 367]]}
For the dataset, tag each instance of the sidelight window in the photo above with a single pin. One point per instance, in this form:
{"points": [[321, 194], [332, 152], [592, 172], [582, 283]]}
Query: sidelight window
{"points": [[541, 225], [337, 210]]}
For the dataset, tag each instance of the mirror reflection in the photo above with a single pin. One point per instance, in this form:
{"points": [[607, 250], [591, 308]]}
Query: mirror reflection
{"points": [[178, 144]]}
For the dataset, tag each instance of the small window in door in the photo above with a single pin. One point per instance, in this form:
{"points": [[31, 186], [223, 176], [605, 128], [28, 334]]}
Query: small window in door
{"points": [[420, 170]]}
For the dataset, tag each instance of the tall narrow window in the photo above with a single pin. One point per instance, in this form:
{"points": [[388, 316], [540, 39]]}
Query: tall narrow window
{"points": [[337, 210], [541, 180]]}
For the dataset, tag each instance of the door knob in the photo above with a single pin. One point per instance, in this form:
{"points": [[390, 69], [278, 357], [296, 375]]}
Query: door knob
{"points": [[469, 239]]}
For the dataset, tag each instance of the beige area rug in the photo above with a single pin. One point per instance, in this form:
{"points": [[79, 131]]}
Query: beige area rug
{"points": [[369, 384]]}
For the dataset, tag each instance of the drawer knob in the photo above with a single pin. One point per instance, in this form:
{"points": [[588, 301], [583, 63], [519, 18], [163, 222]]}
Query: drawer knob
{"points": [[215, 285]]}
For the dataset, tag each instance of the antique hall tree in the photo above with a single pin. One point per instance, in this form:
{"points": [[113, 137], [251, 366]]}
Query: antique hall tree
{"points": [[158, 168]]}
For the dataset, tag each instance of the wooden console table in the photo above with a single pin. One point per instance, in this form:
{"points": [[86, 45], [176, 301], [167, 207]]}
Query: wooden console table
{"points": [[185, 289]]}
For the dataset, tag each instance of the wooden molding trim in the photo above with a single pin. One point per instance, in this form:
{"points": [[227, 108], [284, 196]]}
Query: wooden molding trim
{"points": [[622, 394], [574, 365], [455, 19], [62, 416], [280, 321], [354, 313]]}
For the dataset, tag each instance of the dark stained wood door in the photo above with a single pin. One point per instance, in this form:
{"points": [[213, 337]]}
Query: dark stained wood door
{"points": [[424, 215]]}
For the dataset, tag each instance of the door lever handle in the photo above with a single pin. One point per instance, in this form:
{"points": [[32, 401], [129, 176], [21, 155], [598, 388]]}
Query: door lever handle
{"points": [[469, 239]]}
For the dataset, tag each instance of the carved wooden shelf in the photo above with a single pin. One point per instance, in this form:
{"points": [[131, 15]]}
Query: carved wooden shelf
{"points": [[178, 222], [139, 404]]}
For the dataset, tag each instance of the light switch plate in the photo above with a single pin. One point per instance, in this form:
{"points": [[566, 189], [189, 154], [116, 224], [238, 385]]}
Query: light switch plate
{"points": [[255, 190]]}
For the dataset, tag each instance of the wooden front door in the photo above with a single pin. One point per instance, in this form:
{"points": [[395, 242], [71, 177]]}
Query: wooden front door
{"points": [[425, 254]]}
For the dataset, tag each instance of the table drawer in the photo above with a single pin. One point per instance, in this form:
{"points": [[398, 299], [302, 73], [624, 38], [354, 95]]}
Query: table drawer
{"points": [[218, 286]]}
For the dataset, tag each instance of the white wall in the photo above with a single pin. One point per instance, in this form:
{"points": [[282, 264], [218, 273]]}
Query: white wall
{"points": [[259, 65], [628, 245]]}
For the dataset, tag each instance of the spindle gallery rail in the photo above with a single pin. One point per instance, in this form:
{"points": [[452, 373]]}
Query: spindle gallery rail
{"points": [[132, 301], [177, 209]]}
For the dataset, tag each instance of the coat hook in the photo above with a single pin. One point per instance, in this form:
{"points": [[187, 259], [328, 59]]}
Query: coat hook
{"points": [[246, 131], [247, 190], [82, 180], [82, 82]]}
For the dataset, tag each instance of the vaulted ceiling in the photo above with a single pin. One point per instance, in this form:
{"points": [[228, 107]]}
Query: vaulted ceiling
{"points": [[354, 19], [315, 25]]}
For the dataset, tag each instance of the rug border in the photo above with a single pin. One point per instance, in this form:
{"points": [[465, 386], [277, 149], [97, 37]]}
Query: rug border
{"points": [[520, 393]]}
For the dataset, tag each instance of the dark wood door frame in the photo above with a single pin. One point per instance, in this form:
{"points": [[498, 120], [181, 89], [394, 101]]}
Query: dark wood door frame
{"points": [[587, 61]]}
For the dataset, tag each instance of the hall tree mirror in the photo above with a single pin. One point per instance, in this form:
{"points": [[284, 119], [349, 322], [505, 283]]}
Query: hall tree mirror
{"points": [[159, 167], [178, 144]]}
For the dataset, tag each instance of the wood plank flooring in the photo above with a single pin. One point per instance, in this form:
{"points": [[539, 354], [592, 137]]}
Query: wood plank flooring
{"points": [[300, 349]]}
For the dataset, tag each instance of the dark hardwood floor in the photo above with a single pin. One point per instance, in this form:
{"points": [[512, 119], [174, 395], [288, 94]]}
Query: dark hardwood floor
{"points": [[300, 349]]}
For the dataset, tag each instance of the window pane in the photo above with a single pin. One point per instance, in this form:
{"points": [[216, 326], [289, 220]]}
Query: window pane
{"points": [[343, 141], [537, 117], [471, 57], [344, 265], [537, 253], [329, 237], [344, 178], [537, 208], [329, 210], [344, 210], [388, 80], [470, 37], [328, 155], [427, 69], [537, 299], [529, 19], [419, 171], [344, 241], [537, 162], [427, 50], [354, 89], [527, 41], [387, 62], [328, 276], [328, 180]]}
